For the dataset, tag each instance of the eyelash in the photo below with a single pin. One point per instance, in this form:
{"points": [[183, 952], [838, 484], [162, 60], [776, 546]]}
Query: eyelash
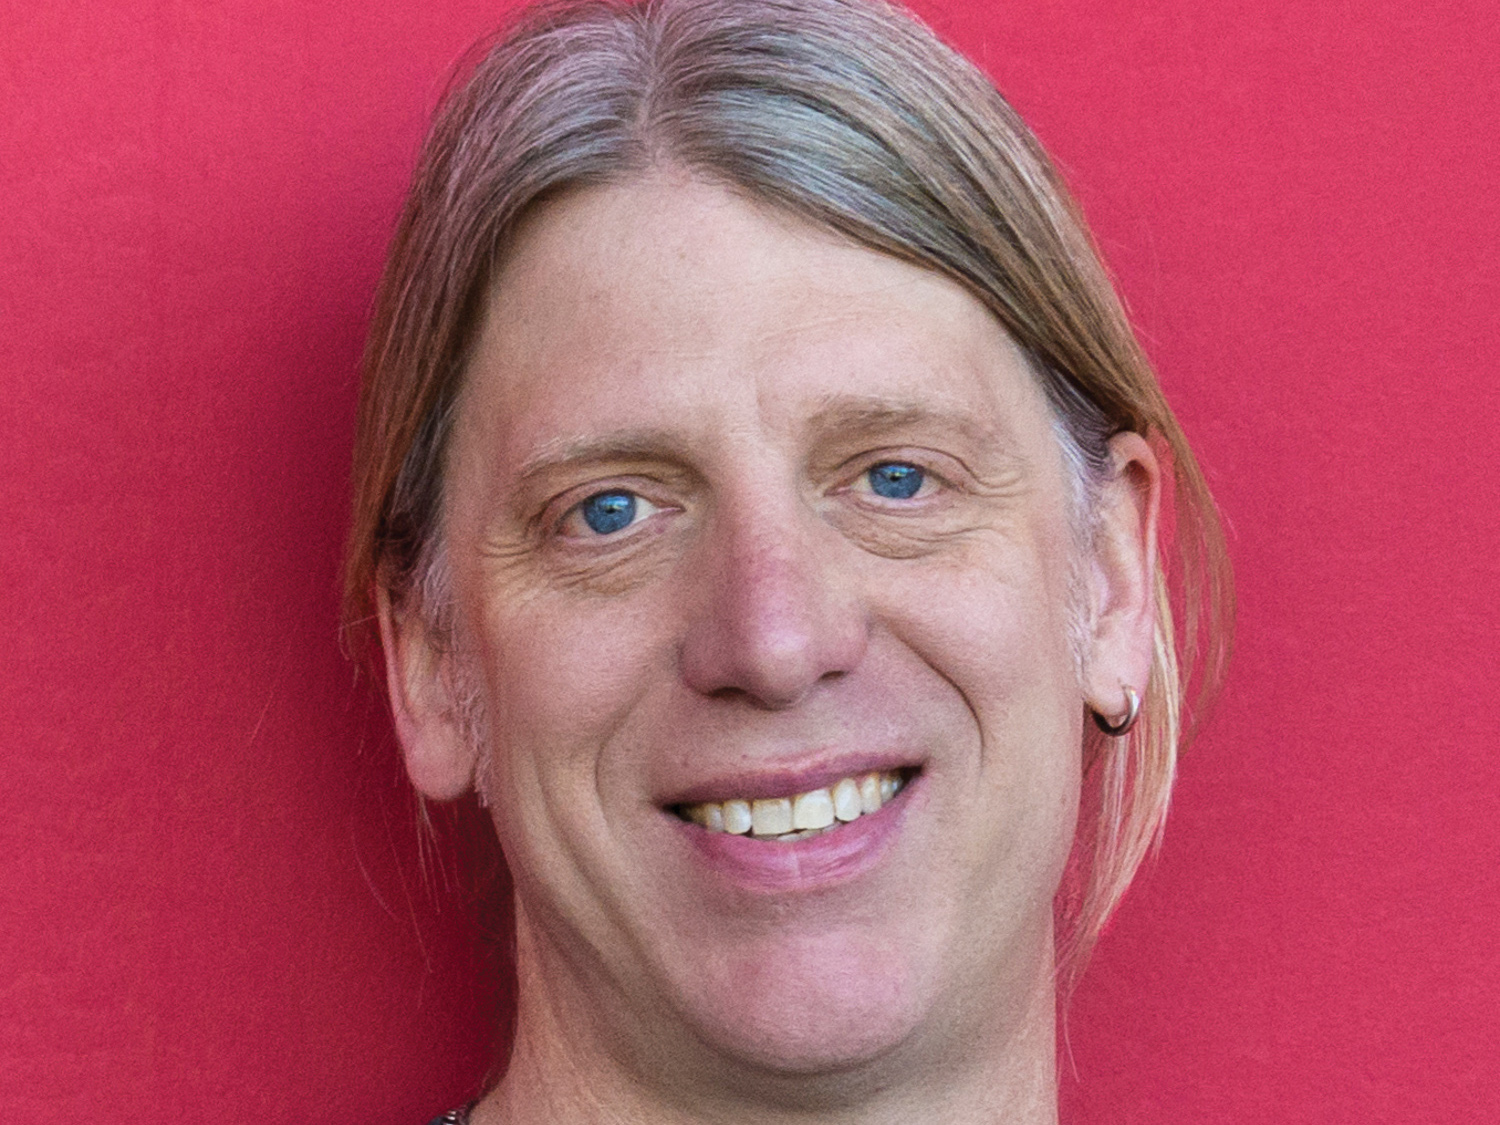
{"points": [[924, 475], [579, 514], [574, 524]]}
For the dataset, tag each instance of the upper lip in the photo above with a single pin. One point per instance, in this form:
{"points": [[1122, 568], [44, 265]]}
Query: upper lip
{"points": [[772, 780]]}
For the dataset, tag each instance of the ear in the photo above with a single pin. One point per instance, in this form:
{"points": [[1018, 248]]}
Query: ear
{"points": [[440, 753], [1123, 572]]}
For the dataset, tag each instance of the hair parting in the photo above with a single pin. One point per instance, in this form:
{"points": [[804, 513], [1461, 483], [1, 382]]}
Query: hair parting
{"points": [[849, 115]]}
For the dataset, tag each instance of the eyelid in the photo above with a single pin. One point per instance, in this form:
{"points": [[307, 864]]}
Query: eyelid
{"points": [[924, 462], [573, 513]]}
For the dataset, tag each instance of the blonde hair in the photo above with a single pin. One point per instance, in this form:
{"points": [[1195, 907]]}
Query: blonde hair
{"points": [[853, 116]]}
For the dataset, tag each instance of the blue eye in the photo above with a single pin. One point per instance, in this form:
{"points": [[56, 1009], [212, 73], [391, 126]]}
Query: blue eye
{"points": [[609, 512], [895, 480]]}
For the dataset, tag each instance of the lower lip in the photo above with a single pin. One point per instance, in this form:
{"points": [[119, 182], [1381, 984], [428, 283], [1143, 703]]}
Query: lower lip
{"points": [[772, 866]]}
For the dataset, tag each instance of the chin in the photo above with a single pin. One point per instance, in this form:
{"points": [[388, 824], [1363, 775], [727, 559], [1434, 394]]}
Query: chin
{"points": [[803, 1008]]}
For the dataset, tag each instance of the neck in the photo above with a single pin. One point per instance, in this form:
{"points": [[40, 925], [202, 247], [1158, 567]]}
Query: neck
{"points": [[573, 1065]]}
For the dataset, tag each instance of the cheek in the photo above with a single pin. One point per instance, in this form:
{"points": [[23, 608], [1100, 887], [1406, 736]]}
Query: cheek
{"points": [[561, 675], [998, 632], [559, 684], [996, 621]]}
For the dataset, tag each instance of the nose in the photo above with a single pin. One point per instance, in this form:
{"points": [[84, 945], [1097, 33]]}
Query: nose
{"points": [[774, 614]]}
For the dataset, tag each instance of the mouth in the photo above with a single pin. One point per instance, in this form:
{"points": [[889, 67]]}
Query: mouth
{"points": [[799, 816]]}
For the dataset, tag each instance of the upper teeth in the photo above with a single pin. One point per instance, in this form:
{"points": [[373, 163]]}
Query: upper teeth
{"points": [[802, 814]]}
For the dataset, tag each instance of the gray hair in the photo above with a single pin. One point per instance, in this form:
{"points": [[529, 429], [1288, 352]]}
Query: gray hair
{"points": [[853, 116]]}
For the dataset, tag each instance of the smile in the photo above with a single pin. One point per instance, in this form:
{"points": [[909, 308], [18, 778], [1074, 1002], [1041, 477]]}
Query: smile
{"points": [[801, 815]]}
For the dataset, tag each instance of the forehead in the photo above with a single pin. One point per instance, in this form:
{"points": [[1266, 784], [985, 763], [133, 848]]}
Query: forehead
{"points": [[669, 302]]}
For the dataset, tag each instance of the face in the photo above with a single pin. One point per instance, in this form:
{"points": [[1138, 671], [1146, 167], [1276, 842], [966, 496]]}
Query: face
{"points": [[745, 521]]}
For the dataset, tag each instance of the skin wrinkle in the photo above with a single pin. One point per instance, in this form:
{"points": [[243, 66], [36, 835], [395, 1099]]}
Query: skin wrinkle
{"points": [[1083, 488], [853, 422], [561, 450], [903, 149], [618, 574], [839, 415], [775, 529]]}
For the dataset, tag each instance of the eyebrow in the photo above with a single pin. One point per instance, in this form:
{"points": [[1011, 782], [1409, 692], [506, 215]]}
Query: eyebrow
{"points": [[837, 415], [857, 414], [630, 445]]}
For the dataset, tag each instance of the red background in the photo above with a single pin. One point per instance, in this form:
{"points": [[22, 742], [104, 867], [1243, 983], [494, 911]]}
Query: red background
{"points": [[213, 904]]}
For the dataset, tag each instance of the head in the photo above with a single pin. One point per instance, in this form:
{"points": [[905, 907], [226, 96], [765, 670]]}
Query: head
{"points": [[745, 401]]}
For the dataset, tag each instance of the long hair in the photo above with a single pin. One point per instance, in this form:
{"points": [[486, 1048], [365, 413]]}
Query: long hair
{"points": [[852, 116]]}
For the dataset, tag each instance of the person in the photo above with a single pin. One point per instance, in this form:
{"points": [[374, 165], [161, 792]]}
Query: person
{"points": [[758, 494]]}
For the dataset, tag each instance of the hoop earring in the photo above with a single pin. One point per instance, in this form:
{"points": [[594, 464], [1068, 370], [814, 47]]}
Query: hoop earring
{"points": [[1122, 727]]}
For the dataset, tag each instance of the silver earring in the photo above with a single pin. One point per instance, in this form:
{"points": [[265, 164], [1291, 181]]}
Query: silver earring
{"points": [[1121, 727]]}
